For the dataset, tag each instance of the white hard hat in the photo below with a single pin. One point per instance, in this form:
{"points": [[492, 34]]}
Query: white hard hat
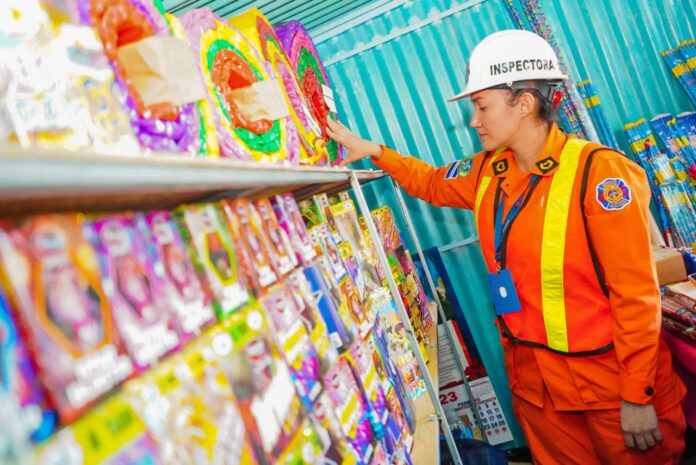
{"points": [[510, 56]]}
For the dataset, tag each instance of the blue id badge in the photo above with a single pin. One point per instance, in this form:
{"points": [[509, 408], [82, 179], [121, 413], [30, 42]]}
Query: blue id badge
{"points": [[503, 292]]}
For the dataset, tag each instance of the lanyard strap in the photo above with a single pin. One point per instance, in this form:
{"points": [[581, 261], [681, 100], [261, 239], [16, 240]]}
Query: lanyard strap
{"points": [[503, 225]]}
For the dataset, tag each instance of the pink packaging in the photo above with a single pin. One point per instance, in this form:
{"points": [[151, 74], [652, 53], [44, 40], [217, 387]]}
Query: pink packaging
{"points": [[55, 283], [191, 304], [139, 301], [281, 251], [290, 219]]}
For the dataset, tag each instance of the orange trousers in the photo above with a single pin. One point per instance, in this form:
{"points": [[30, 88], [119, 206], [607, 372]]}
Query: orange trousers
{"points": [[594, 437]]}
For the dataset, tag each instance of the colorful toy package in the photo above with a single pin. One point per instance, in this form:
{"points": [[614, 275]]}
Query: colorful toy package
{"points": [[137, 296], [58, 87], [317, 210], [282, 254], [253, 245], [280, 430], [328, 306], [212, 252], [393, 383], [290, 219], [111, 434], [384, 220], [309, 312], [190, 409], [348, 225], [293, 339], [54, 280], [338, 451], [350, 409], [173, 266], [413, 292], [313, 78], [360, 358], [343, 306], [358, 312], [229, 62], [254, 25], [159, 126], [327, 247], [25, 417], [397, 344]]}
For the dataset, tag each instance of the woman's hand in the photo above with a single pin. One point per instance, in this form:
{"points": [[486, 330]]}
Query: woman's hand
{"points": [[356, 147], [639, 425]]}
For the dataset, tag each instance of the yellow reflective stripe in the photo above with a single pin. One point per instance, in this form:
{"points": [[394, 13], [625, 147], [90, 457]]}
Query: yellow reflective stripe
{"points": [[553, 245], [483, 187]]}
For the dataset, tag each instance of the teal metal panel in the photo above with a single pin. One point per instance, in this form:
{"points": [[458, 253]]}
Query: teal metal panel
{"points": [[312, 13]]}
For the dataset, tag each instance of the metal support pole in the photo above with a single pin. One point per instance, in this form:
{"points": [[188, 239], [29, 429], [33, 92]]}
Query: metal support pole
{"points": [[441, 310], [403, 316]]}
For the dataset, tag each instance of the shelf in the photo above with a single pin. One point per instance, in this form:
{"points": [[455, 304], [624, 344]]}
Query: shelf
{"points": [[40, 180], [426, 440]]}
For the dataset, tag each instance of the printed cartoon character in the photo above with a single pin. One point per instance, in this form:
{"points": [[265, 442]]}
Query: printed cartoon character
{"points": [[73, 306], [219, 256], [135, 287]]}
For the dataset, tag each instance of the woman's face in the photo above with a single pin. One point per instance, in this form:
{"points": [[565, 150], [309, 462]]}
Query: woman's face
{"points": [[496, 121]]}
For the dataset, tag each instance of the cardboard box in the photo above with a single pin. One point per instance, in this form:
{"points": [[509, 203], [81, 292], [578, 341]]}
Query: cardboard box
{"points": [[670, 265]]}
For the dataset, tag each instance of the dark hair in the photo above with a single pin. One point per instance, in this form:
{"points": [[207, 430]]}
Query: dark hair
{"points": [[542, 92]]}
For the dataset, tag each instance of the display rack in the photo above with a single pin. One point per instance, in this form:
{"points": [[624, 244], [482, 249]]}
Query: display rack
{"points": [[52, 180], [431, 387], [59, 180], [427, 436], [481, 433]]}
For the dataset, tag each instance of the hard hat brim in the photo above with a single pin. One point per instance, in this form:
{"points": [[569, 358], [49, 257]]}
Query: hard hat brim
{"points": [[467, 91]]}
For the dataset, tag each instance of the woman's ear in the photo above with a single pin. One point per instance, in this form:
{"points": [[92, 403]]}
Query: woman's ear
{"points": [[526, 104]]}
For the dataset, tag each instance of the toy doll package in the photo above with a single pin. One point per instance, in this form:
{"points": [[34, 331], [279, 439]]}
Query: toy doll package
{"points": [[55, 283], [279, 428], [172, 264], [213, 255], [290, 219], [293, 339], [25, 417], [137, 297]]}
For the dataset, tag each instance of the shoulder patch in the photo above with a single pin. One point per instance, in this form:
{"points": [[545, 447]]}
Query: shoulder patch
{"points": [[613, 194], [501, 166], [453, 170], [465, 166]]}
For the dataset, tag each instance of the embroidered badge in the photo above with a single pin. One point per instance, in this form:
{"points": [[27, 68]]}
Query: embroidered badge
{"points": [[500, 167], [613, 194], [465, 166], [546, 165], [453, 170]]}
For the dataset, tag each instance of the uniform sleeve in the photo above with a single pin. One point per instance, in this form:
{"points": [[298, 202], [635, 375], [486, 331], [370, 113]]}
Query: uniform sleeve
{"points": [[453, 185], [617, 204]]}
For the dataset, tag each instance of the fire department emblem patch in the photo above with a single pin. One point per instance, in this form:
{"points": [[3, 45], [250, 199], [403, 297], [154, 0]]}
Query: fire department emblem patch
{"points": [[613, 194]]}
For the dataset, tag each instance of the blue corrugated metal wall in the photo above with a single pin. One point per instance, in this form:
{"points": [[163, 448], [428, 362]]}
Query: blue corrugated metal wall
{"points": [[393, 73]]}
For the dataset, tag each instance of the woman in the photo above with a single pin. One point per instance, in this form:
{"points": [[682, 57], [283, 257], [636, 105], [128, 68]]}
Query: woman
{"points": [[563, 225]]}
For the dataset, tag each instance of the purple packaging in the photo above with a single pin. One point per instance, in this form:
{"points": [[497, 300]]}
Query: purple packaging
{"points": [[294, 341], [290, 219], [25, 417], [350, 409], [139, 302], [191, 304]]}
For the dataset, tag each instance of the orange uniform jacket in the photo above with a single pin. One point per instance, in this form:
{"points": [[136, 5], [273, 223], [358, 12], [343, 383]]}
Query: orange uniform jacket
{"points": [[638, 367]]}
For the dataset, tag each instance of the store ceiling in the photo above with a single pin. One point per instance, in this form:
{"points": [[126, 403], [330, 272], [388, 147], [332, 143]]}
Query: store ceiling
{"points": [[311, 13]]}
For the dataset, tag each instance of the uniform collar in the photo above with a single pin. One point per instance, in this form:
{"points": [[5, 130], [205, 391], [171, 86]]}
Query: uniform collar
{"points": [[547, 160]]}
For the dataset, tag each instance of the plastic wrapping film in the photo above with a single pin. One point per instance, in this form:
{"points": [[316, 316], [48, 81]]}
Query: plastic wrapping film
{"points": [[161, 126], [312, 76], [256, 27], [56, 86], [229, 62]]}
